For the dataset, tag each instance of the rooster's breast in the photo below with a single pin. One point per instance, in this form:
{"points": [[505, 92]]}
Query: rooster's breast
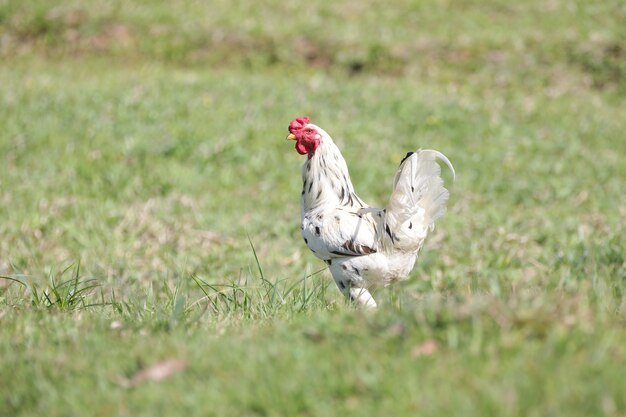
{"points": [[312, 231]]}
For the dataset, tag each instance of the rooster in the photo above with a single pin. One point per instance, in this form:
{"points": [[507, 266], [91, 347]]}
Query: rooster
{"points": [[365, 247]]}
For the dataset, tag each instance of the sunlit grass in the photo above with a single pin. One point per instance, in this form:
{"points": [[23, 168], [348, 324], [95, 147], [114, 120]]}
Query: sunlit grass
{"points": [[149, 208]]}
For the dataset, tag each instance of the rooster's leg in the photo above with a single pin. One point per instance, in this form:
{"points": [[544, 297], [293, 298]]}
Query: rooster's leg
{"points": [[362, 297], [351, 284], [359, 295]]}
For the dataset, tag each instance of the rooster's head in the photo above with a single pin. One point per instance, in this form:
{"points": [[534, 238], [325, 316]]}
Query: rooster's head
{"points": [[306, 136]]}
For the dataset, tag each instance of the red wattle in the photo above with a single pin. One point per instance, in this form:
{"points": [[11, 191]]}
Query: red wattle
{"points": [[301, 148]]}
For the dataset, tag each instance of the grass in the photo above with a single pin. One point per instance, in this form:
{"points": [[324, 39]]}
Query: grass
{"points": [[150, 250]]}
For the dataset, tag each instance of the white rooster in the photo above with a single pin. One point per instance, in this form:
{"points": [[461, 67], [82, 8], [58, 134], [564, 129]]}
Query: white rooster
{"points": [[365, 247]]}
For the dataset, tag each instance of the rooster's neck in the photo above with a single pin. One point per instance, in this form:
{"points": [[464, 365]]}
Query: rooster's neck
{"points": [[326, 180]]}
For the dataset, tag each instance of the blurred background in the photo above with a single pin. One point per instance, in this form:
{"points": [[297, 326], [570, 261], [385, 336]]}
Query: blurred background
{"points": [[142, 138], [149, 207]]}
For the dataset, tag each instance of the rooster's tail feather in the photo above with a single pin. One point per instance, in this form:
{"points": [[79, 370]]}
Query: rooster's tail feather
{"points": [[418, 198]]}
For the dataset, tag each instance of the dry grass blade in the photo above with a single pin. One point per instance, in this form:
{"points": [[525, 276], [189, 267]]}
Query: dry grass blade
{"points": [[157, 372], [427, 348]]}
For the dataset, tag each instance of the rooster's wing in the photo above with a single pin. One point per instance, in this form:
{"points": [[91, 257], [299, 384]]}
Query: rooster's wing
{"points": [[341, 232]]}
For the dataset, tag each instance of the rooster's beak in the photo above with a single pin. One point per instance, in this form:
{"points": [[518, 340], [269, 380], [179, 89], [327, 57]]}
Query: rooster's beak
{"points": [[291, 136]]}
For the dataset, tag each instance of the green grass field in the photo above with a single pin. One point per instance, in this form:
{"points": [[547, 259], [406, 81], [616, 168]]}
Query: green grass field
{"points": [[149, 208]]}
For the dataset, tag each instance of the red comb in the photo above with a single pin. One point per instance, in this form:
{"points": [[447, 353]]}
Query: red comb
{"points": [[297, 124]]}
